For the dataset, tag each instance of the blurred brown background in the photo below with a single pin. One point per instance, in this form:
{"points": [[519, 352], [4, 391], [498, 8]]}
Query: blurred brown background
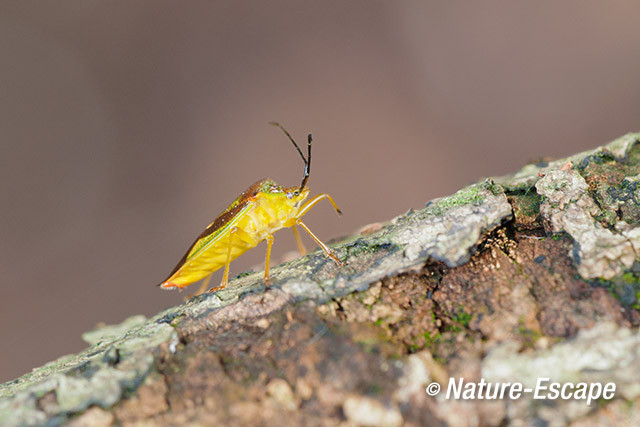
{"points": [[127, 126]]}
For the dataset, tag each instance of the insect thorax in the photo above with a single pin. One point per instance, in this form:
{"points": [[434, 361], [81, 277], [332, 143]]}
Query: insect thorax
{"points": [[275, 209]]}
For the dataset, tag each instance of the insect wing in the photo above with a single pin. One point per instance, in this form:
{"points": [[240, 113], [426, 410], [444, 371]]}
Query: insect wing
{"points": [[216, 229], [195, 259]]}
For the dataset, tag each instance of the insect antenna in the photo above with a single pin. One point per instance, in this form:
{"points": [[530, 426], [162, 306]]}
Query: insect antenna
{"points": [[307, 161]]}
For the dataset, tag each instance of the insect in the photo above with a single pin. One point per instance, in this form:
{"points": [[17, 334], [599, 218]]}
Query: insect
{"points": [[254, 216]]}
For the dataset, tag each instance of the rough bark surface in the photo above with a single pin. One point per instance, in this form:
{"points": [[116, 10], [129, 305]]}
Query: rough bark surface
{"points": [[531, 275]]}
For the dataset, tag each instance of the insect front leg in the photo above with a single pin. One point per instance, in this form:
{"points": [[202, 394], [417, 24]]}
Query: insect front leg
{"points": [[311, 203], [327, 250]]}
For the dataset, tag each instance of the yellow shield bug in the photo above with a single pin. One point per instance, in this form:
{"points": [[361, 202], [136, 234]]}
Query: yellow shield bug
{"points": [[254, 216]]}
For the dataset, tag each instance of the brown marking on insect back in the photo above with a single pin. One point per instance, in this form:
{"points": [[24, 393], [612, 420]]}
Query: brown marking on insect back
{"points": [[249, 195]]}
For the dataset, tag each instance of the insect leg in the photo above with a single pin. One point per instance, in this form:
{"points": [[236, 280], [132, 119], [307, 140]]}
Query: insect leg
{"points": [[225, 276], [301, 247], [311, 203], [266, 262], [204, 285], [324, 247]]}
